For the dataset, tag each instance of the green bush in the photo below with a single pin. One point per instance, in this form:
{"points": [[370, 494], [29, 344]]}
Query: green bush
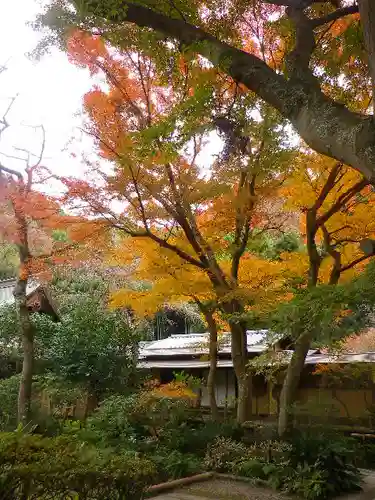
{"points": [[8, 396], [269, 450], [365, 454], [309, 466], [110, 424], [250, 467], [128, 420], [195, 436], [255, 432], [324, 466], [35, 467], [223, 454], [174, 464]]}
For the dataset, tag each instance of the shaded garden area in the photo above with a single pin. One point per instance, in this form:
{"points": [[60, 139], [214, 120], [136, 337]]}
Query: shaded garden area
{"points": [[131, 442], [222, 181]]}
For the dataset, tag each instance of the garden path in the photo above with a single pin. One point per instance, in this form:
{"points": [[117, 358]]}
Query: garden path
{"points": [[220, 489]]}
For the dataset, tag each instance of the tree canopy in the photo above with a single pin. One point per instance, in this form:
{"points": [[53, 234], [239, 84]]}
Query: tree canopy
{"points": [[311, 61]]}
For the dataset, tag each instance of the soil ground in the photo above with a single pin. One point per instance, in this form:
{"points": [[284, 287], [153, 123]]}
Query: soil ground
{"points": [[220, 489]]}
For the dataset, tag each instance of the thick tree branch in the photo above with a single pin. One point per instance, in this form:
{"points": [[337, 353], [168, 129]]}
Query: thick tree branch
{"points": [[336, 256], [341, 201], [354, 262], [329, 184], [243, 223], [235, 62], [299, 58], [334, 16], [314, 257], [164, 244], [327, 126]]}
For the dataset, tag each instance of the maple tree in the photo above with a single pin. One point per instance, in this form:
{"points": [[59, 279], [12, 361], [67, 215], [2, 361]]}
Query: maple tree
{"points": [[170, 281], [21, 198], [312, 61], [337, 211], [27, 218], [168, 286], [178, 216]]}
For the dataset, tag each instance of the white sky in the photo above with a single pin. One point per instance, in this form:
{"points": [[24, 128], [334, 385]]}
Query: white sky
{"points": [[49, 93]]}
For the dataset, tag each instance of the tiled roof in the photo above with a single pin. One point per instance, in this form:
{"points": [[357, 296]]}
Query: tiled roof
{"points": [[364, 357], [313, 358], [197, 343], [7, 287]]}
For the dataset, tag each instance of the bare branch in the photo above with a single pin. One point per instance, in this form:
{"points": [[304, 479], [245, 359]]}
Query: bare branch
{"points": [[341, 201], [31, 168], [329, 184], [10, 171], [163, 243], [4, 120], [355, 262]]}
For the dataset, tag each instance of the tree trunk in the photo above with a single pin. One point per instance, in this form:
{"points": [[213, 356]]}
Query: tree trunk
{"points": [[208, 313], [27, 335], [367, 12], [291, 382], [91, 401], [211, 379], [243, 376]]}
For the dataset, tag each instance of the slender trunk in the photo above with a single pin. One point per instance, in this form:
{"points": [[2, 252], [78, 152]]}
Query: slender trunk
{"points": [[208, 313], [243, 376], [91, 401], [291, 382], [295, 367], [211, 379], [345, 408], [211, 389], [226, 396], [27, 335]]}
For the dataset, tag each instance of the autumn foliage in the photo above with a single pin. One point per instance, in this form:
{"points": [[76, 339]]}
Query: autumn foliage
{"points": [[186, 226]]}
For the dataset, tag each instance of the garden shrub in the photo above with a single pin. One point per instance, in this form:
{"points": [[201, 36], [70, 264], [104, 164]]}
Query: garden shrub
{"points": [[250, 467], [223, 453], [195, 436], [364, 453], [110, 424], [125, 420], [269, 450], [174, 464], [309, 466], [256, 432], [324, 466], [9, 388], [33, 467]]}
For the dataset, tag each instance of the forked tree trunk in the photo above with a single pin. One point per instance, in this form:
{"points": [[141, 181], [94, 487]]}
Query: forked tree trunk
{"points": [[291, 382], [27, 335]]}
